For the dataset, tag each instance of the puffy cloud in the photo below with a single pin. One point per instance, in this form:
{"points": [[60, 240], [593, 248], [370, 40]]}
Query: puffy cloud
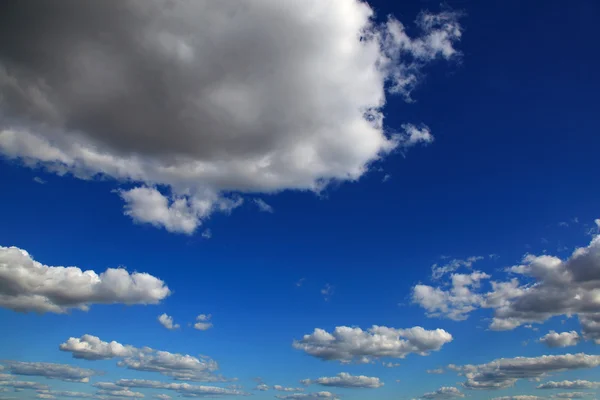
{"points": [[177, 366], [63, 372], [353, 344], [445, 392], [167, 322], [203, 322], [345, 380], [184, 389], [563, 339], [308, 396], [155, 103], [455, 303], [262, 387], [504, 372], [27, 285], [263, 206], [126, 393], [546, 286], [569, 385]]}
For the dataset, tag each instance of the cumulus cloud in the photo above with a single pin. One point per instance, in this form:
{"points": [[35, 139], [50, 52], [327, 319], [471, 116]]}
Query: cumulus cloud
{"points": [[124, 393], [162, 396], [445, 392], [348, 344], [177, 366], [545, 286], [203, 99], [572, 395], [203, 322], [62, 372], [185, 389], [504, 372], [563, 339], [167, 322], [569, 385], [262, 387], [308, 396], [27, 285], [345, 380]]}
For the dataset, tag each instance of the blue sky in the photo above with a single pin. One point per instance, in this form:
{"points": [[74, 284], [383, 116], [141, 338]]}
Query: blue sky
{"points": [[347, 236]]}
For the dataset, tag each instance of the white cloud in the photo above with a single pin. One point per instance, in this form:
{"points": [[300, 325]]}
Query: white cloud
{"points": [[504, 372], [545, 286], [280, 388], [162, 396], [177, 366], [345, 380], [353, 344], [207, 234], [262, 387], [203, 120], [167, 322], [445, 392], [62, 372], [308, 396], [519, 397], [438, 271], [203, 322], [31, 286], [39, 180], [570, 385], [119, 394], [572, 395], [23, 385], [327, 291], [435, 371], [563, 339], [263, 206], [184, 389]]}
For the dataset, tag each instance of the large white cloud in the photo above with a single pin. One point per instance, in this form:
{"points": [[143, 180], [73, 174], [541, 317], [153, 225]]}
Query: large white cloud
{"points": [[27, 285], [545, 286], [208, 98], [177, 366], [562, 339], [504, 372], [345, 380], [349, 344]]}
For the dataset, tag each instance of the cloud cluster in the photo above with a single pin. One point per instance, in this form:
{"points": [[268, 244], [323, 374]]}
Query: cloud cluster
{"points": [[167, 321], [27, 285], [569, 385], [174, 365], [203, 322], [445, 392], [62, 372], [185, 389], [345, 380], [438, 271], [308, 396], [504, 372], [545, 286], [203, 99], [563, 339], [349, 344]]}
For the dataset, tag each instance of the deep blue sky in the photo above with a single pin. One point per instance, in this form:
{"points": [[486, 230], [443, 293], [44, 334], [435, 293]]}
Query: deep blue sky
{"points": [[516, 125]]}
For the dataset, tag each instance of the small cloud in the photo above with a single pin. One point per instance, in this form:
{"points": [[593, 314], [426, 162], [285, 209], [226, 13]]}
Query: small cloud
{"points": [[435, 371], [39, 180], [386, 178], [563, 224], [207, 234], [300, 282], [390, 364], [203, 322], [327, 291], [263, 206], [167, 322], [575, 220], [493, 256]]}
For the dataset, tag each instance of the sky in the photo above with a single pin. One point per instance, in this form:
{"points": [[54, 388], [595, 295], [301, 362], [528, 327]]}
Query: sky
{"points": [[299, 200]]}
